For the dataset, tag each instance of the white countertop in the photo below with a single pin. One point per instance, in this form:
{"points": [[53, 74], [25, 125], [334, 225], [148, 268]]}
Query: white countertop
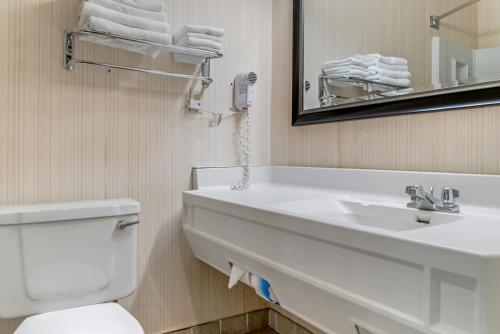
{"points": [[476, 230]]}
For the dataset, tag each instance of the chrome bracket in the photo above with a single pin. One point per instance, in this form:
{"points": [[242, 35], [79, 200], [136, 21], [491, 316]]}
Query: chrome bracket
{"points": [[435, 22], [205, 72], [69, 40]]}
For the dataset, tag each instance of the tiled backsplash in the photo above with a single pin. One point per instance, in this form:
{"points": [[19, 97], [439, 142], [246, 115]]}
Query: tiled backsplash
{"points": [[259, 322]]}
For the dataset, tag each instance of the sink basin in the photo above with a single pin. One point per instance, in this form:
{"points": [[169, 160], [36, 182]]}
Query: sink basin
{"points": [[387, 216]]}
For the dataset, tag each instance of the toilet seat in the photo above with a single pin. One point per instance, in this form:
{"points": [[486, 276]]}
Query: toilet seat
{"points": [[108, 318]]}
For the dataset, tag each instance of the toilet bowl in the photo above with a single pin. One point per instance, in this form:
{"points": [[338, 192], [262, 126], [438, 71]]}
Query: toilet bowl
{"points": [[63, 264]]}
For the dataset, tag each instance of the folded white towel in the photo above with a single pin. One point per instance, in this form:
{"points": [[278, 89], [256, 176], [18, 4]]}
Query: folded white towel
{"points": [[359, 74], [345, 69], [389, 81], [352, 74], [195, 43], [383, 71], [392, 61], [388, 63], [219, 32], [151, 5], [383, 59], [390, 74], [102, 25], [337, 63], [197, 35], [337, 72], [122, 8], [89, 10], [383, 66]]}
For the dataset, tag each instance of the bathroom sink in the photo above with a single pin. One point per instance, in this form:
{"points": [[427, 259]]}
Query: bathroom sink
{"points": [[388, 216], [340, 248]]}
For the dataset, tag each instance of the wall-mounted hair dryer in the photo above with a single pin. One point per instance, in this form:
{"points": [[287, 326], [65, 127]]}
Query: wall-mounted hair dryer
{"points": [[244, 90]]}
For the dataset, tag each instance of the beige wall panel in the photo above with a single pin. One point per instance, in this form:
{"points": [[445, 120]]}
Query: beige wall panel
{"points": [[489, 23], [94, 134]]}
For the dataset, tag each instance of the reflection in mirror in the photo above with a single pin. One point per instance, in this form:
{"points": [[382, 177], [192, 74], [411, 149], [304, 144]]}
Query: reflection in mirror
{"points": [[359, 50]]}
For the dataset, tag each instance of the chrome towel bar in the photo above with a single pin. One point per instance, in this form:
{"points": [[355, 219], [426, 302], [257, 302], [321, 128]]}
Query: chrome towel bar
{"points": [[436, 19], [70, 59]]}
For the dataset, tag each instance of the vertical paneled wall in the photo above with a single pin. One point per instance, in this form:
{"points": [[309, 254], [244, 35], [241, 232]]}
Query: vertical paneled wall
{"points": [[94, 134], [455, 141], [489, 25]]}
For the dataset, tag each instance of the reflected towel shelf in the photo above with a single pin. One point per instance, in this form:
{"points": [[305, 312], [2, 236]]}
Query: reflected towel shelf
{"points": [[326, 98], [70, 60], [359, 81]]}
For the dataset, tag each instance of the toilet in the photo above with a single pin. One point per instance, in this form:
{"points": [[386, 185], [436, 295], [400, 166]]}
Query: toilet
{"points": [[65, 264]]}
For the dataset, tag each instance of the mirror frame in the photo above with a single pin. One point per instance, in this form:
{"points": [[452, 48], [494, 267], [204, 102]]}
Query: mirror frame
{"points": [[474, 95]]}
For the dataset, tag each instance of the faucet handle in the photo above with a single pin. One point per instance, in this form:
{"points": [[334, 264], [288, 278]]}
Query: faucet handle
{"points": [[449, 195], [414, 190]]}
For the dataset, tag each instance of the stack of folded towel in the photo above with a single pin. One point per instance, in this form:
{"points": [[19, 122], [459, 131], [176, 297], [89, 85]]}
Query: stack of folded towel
{"points": [[375, 68], [136, 19], [198, 37]]}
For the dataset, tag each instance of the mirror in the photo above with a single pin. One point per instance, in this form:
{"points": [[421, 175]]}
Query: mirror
{"points": [[366, 58]]}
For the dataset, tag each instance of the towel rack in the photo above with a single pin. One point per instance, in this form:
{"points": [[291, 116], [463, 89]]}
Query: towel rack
{"points": [[70, 59]]}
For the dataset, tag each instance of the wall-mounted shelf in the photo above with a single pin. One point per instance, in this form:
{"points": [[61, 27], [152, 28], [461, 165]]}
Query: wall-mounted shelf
{"points": [[70, 60]]}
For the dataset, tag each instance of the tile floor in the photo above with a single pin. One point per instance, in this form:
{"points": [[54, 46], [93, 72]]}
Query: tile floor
{"points": [[264, 331], [258, 322]]}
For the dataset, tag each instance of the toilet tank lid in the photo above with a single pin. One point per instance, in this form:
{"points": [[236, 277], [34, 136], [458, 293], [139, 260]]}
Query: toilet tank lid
{"points": [[50, 212]]}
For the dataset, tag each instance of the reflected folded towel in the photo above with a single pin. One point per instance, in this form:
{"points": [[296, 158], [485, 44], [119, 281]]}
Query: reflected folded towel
{"points": [[353, 74], [388, 63], [102, 25], [342, 70], [90, 10], [383, 66], [151, 5], [336, 63], [382, 59], [389, 81], [122, 8], [390, 74], [218, 32], [200, 43]]}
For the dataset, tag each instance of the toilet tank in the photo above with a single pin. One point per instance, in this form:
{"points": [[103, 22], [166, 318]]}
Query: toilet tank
{"points": [[65, 255]]}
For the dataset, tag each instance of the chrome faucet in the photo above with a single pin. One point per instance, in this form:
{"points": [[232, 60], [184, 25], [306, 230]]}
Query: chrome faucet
{"points": [[422, 200]]}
